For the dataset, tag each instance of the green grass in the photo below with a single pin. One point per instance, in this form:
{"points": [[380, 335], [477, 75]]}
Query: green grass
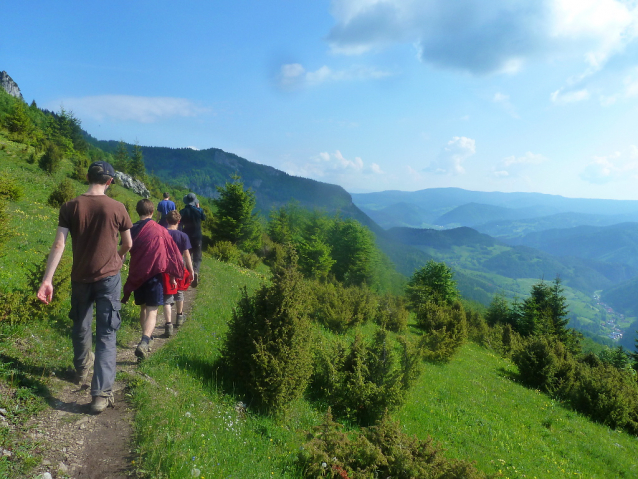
{"points": [[476, 410], [185, 422], [472, 406]]}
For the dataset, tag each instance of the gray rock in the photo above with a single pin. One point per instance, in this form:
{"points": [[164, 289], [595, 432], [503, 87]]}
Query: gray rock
{"points": [[6, 452], [11, 87], [47, 475], [63, 468], [3, 412], [131, 183]]}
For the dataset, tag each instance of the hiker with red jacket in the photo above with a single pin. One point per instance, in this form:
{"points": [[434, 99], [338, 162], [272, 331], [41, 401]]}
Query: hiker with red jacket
{"points": [[174, 287], [154, 252]]}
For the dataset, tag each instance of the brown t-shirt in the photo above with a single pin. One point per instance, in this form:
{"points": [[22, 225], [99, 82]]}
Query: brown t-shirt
{"points": [[94, 223]]}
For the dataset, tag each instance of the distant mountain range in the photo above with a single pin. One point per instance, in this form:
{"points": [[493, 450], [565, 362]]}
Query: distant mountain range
{"points": [[494, 241]]}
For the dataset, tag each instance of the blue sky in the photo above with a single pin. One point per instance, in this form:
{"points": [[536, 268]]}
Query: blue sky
{"points": [[508, 95]]}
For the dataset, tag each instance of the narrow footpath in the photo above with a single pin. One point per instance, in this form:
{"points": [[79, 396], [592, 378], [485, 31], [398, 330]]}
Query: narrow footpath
{"points": [[76, 444]]}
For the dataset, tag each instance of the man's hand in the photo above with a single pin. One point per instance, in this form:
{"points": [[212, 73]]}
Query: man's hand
{"points": [[173, 282], [45, 293]]}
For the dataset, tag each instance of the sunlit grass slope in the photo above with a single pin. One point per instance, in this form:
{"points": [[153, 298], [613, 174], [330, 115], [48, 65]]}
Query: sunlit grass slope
{"points": [[185, 425], [476, 410]]}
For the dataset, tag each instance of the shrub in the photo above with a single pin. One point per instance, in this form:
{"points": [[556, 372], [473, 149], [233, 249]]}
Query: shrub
{"points": [[62, 193], [445, 329], [268, 349], [51, 159], [9, 188], [80, 168], [362, 381], [249, 260], [380, 451], [339, 308], [546, 364], [5, 229], [225, 251], [392, 313], [476, 327], [607, 395]]}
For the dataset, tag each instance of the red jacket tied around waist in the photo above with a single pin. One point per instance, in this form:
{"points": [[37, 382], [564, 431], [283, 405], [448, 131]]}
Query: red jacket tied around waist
{"points": [[153, 252]]}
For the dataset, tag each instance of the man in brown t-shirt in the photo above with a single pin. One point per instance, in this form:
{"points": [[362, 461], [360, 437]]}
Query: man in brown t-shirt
{"points": [[94, 221]]}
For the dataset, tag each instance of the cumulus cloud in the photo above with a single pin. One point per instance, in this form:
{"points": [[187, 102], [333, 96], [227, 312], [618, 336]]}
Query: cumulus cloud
{"points": [[485, 37], [513, 166], [130, 108], [332, 167], [618, 166], [294, 75], [451, 158]]}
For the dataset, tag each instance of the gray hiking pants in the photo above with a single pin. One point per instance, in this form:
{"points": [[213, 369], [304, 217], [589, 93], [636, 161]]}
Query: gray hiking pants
{"points": [[105, 293]]}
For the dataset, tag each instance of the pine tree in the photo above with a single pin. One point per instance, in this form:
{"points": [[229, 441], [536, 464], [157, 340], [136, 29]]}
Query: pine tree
{"points": [[18, 122], [136, 167], [121, 159], [235, 219]]}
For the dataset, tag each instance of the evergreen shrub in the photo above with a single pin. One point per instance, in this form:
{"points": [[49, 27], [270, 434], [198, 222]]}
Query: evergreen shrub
{"points": [[268, 350], [51, 159], [392, 313], [248, 260], [546, 364], [363, 380], [340, 308], [225, 251], [9, 188], [607, 395], [62, 193], [444, 327], [5, 228], [80, 167], [382, 451]]}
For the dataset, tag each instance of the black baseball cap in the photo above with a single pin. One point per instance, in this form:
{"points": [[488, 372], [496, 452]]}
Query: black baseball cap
{"points": [[102, 168]]}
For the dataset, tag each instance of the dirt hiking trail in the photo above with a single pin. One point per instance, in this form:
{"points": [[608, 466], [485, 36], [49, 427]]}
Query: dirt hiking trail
{"points": [[77, 444]]}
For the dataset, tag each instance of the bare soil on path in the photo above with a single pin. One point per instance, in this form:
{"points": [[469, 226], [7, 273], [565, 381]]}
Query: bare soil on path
{"points": [[77, 444]]}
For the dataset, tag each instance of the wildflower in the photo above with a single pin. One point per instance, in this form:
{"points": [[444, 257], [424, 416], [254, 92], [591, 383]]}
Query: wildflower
{"points": [[324, 465]]}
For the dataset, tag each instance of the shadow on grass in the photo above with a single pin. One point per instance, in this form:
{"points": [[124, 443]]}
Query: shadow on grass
{"points": [[215, 376]]}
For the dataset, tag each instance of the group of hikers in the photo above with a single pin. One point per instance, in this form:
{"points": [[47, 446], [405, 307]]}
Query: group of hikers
{"points": [[165, 261]]}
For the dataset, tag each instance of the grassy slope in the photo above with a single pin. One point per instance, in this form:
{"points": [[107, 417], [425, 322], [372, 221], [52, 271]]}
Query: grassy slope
{"points": [[471, 406]]}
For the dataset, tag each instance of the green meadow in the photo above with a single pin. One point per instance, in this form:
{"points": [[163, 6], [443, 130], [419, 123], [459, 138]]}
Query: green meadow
{"points": [[472, 406]]}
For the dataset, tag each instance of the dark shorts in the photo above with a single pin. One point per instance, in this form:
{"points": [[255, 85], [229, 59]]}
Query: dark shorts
{"points": [[150, 293]]}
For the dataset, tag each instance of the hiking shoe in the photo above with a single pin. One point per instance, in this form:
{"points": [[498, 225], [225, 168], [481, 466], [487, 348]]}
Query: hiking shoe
{"points": [[82, 374], [168, 329], [179, 319], [195, 280], [100, 403], [143, 349]]}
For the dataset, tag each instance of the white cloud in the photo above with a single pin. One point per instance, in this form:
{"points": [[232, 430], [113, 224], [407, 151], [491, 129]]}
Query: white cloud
{"points": [[332, 168], [615, 167], [130, 108], [486, 37], [628, 90], [570, 97], [451, 158], [294, 75], [514, 166]]}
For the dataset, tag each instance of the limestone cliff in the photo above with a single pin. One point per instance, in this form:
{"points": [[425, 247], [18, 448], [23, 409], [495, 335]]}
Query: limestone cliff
{"points": [[11, 87]]}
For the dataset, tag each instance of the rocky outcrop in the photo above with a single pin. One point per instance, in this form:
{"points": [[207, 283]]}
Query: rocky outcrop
{"points": [[131, 183], [11, 87]]}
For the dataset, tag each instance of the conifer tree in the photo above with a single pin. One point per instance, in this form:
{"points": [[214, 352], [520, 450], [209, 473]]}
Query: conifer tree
{"points": [[353, 251], [121, 159], [235, 219], [136, 167], [18, 122]]}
